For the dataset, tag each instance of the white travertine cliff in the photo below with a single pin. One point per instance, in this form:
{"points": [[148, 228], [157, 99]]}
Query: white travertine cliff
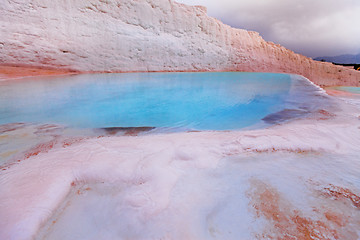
{"points": [[143, 35]]}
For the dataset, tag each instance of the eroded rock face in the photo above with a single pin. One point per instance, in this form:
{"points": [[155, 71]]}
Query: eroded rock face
{"points": [[143, 35]]}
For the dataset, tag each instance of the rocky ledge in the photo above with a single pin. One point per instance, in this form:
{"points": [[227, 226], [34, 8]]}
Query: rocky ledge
{"points": [[143, 35]]}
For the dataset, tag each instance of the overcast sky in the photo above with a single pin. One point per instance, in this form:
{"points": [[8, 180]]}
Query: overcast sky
{"points": [[311, 27]]}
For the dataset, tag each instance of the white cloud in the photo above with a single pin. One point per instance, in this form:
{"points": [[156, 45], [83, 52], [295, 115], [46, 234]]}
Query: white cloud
{"points": [[311, 27]]}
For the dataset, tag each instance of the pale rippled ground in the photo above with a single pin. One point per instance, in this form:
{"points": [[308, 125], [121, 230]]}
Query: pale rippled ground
{"points": [[298, 180]]}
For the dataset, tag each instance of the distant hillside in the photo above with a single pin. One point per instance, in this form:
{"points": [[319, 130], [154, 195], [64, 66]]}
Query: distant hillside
{"points": [[345, 59]]}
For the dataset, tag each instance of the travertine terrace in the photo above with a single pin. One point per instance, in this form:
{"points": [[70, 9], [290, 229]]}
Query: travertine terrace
{"points": [[296, 179], [143, 35]]}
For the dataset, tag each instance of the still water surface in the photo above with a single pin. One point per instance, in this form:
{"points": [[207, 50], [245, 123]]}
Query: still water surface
{"points": [[182, 101]]}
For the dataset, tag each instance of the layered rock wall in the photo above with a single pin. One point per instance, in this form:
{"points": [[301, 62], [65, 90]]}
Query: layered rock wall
{"points": [[143, 35]]}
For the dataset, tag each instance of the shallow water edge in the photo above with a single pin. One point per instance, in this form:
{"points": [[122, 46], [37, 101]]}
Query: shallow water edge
{"points": [[299, 179]]}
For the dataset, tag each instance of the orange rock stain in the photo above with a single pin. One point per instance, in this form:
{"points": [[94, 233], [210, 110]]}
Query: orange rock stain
{"points": [[285, 222], [13, 72], [339, 193], [42, 147]]}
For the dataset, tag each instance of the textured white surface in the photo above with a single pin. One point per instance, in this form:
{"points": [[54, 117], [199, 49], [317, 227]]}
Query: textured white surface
{"points": [[143, 35], [204, 185]]}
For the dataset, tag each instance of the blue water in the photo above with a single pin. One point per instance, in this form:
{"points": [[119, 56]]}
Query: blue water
{"points": [[198, 101], [355, 90]]}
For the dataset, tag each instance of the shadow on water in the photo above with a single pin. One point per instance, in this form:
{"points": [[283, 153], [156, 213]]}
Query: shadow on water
{"points": [[284, 115], [127, 131]]}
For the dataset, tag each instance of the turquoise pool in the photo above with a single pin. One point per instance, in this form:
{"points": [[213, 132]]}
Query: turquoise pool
{"points": [[355, 90], [177, 101]]}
